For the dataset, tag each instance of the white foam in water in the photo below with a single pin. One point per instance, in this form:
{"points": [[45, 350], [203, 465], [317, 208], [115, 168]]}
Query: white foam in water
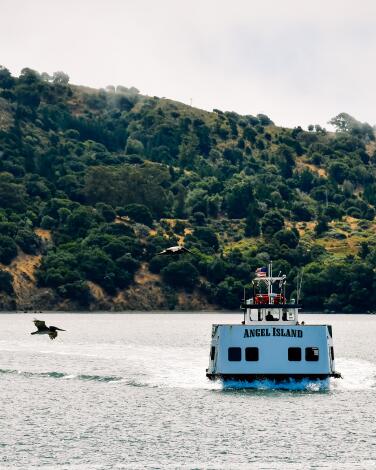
{"points": [[177, 368], [290, 385], [357, 374], [185, 368]]}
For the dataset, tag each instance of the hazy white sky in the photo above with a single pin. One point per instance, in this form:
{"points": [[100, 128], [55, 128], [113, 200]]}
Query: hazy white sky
{"points": [[299, 62]]}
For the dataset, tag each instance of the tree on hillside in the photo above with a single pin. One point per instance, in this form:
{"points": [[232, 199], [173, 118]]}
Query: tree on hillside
{"points": [[60, 78], [8, 249], [302, 211], [188, 151], [139, 213], [271, 223], [80, 221], [287, 237], [322, 226], [343, 122], [238, 199], [129, 184], [286, 161], [134, 146], [339, 171], [207, 236], [228, 293], [252, 225], [6, 284], [12, 194], [264, 120], [181, 274], [6, 79], [306, 180]]}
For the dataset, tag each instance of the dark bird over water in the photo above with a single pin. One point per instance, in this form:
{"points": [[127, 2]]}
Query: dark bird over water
{"points": [[175, 250], [43, 329]]}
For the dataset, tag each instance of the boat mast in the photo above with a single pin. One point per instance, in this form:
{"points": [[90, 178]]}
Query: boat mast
{"points": [[270, 281], [245, 305]]}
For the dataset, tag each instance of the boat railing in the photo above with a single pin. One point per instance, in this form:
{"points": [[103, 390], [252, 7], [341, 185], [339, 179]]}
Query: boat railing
{"points": [[269, 299]]}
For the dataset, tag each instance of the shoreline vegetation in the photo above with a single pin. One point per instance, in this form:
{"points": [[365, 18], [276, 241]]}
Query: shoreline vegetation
{"points": [[167, 312], [94, 183]]}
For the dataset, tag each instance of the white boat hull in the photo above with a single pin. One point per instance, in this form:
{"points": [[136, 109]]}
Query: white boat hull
{"points": [[271, 351]]}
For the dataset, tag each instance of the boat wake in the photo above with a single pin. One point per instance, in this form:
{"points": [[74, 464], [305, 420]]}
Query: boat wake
{"points": [[357, 375], [290, 385], [61, 375]]}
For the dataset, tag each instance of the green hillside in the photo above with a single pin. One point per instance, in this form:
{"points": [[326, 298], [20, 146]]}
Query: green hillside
{"points": [[94, 183]]}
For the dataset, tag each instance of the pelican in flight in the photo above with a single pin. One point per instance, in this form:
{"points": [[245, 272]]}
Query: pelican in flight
{"points": [[43, 329], [175, 250]]}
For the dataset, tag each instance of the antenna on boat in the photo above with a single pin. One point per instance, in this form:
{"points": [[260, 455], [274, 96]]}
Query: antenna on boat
{"points": [[270, 282], [244, 304], [299, 286]]}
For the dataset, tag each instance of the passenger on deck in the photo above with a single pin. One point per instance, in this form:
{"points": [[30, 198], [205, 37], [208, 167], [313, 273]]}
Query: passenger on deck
{"points": [[269, 317], [284, 315]]}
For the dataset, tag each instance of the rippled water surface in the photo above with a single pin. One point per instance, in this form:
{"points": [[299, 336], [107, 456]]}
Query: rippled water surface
{"points": [[129, 391]]}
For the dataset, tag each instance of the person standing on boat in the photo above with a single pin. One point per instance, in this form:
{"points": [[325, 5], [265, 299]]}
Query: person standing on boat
{"points": [[269, 316]]}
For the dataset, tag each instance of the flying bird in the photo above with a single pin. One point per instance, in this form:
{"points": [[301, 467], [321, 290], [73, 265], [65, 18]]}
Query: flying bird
{"points": [[43, 329], [175, 250]]}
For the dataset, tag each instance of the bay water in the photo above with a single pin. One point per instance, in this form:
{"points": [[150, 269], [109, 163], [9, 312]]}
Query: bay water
{"points": [[128, 391]]}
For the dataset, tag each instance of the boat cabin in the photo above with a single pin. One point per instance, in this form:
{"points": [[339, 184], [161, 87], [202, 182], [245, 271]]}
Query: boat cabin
{"points": [[268, 306]]}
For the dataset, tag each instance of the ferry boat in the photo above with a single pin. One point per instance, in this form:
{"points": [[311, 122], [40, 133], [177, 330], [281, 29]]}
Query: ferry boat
{"points": [[270, 342]]}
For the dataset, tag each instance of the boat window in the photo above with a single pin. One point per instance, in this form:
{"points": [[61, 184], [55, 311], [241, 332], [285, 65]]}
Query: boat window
{"points": [[290, 315], [332, 352], [251, 354], [311, 354], [252, 314], [260, 315], [212, 353], [234, 354], [295, 354]]}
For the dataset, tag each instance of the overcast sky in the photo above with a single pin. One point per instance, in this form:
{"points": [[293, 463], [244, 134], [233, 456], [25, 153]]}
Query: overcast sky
{"points": [[299, 62]]}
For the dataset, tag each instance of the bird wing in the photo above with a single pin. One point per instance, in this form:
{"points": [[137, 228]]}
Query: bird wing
{"points": [[186, 250], [40, 324], [175, 250]]}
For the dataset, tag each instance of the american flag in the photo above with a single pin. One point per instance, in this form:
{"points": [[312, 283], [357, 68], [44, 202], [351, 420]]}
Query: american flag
{"points": [[261, 272]]}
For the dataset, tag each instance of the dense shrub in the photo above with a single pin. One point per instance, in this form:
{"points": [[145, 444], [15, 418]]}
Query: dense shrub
{"points": [[78, 291], [207, 237], [8, 249], [271, 223], [28, 241], [139, 213], [181, 274], [6, 282]]}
